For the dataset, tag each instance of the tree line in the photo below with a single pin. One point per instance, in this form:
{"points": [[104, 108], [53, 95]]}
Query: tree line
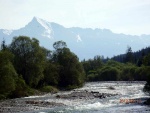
{"points": [[25, 66], [131, 66]]}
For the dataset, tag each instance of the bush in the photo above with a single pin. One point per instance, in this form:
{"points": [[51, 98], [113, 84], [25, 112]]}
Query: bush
{"points": [[2, 97], [8, 74], [21, 90], [49, 89], [108, 74], [91, 77]]}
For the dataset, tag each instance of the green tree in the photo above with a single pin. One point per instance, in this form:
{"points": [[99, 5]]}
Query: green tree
{"points": [[3, 45], [146, 60], [8, 74], [29, 59], [51, 75], [128, 72], [71, 72], [129, 55], [108, 73], [92, 64], [59, 45]]}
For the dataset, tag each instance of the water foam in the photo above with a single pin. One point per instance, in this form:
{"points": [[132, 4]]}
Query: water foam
{"points": [[93, 106]]}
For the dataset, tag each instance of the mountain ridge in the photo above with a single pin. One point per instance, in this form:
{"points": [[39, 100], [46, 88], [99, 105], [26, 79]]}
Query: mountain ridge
{"points": [[84, 42]]}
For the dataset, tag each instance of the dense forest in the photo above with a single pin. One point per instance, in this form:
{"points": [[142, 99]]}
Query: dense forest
{"points": [[27, 68]]}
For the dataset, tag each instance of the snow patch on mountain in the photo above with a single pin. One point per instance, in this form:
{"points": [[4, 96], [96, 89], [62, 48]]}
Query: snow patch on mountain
{"points": [[7, 32], [47, 25], [78, 38]]}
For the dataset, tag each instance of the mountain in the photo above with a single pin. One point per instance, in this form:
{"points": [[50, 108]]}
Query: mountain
{"points": [[84, 42]]}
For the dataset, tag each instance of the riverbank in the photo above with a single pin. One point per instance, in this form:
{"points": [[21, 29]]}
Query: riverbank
{"points": [[26, 105], [34, 104], [92, 98]]}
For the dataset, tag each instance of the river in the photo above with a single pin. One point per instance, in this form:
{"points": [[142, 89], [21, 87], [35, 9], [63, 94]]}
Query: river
{"points": [[129, 99]]}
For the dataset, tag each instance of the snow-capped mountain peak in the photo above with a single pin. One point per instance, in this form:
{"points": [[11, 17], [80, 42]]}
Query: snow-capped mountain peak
{"points": [[45, 24], [48, 32], [41, 27], [93, 41]]}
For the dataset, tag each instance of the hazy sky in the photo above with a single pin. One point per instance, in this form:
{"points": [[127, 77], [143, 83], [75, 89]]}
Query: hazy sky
{"points": [[120, 16]]}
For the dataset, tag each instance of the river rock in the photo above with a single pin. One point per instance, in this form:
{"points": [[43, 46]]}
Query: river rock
{"points": [[85, 95]]}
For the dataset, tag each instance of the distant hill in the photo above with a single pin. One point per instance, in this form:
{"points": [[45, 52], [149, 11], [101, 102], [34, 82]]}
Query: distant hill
{"points": [[84, 42]]}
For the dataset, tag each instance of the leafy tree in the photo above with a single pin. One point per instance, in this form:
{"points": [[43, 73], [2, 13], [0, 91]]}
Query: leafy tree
{"points": [[8, 74], [51, 75], [92, 64], [141, 73], [59, 45], [21, 89], [29, 59], [146, 60], [71, 72], [128, 72], [108, 73]]}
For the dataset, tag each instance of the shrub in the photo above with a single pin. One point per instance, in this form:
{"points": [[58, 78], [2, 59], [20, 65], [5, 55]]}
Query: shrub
{"points": [[49, 89]]}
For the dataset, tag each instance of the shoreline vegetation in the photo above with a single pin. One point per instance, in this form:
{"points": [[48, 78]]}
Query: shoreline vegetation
{"points": [[26, 68]]}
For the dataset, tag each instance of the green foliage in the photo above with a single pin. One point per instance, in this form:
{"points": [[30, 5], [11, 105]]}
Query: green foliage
{"points": [[142, 73], [113, 70], [128, 72], [59, 45], [147, 85], [108, 73], [51, 75], [71, 72], [146, 60], [3, 45], [43, 69], [21, 89], [129, 55], [29, 59], [38, 67], [8, 74], [92, 77], [2, 96], [92, 64], [49, 89]]}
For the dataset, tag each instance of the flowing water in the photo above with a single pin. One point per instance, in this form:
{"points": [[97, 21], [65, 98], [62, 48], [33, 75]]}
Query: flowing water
{"points": [[129, 99]]}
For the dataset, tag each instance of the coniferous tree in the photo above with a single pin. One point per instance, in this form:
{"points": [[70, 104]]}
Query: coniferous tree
{"points": [[129, 55]]}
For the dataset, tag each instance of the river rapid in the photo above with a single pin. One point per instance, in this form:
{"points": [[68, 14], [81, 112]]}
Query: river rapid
{"points": [[129, 98]]}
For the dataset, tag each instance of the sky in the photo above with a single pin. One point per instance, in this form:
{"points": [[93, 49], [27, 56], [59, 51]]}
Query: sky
{"points": [[120, 16]]}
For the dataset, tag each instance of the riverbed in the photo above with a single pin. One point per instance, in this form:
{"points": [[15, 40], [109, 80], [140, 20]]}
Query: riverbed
{"points": [[126, 97]]}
